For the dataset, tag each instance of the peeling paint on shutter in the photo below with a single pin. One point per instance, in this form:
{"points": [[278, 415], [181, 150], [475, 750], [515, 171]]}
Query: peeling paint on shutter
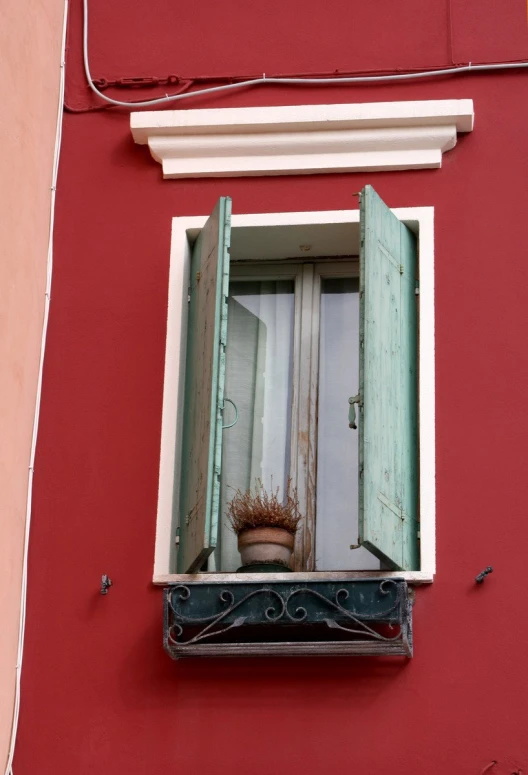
{"points": [[204, 391], [388, 386]]}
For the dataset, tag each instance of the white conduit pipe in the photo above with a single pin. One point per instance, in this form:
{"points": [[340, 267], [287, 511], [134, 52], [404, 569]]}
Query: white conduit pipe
{"points": [[456, 70], [47, 297]]}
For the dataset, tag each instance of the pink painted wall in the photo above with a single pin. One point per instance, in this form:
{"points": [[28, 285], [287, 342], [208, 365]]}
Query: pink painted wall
{"points": [[99, 694], [30, 42]]}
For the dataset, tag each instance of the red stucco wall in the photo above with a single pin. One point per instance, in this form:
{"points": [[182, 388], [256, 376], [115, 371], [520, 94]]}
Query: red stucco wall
{"points": [[99, 694]]}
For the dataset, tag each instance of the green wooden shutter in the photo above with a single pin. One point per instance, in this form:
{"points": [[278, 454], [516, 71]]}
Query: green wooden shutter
{"points": [[204, 391], [388, 459]]}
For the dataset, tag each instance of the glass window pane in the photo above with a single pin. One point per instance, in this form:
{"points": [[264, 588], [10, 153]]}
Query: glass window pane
{"points": [[337, 444], [259, 357]]}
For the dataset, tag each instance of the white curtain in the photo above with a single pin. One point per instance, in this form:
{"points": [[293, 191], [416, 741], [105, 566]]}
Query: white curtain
{"points": [[258, 381], [337, 444]]}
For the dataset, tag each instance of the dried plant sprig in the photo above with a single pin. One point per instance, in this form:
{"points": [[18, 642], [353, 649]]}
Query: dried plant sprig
{"points": [[260, 508]]}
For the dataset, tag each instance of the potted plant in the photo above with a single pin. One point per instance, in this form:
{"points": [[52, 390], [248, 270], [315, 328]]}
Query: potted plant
{"points": [[265, 527]]}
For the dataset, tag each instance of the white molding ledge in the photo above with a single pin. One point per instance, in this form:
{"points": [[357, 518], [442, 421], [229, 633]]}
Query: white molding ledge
{"points": [[302, 139]]}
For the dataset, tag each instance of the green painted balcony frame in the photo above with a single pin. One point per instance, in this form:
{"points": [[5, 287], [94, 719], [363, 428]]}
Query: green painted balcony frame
{"points": [[369, 617]]}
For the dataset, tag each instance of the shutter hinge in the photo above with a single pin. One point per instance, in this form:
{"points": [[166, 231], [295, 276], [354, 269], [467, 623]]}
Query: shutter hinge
{"points": [[177, 537], [417, 290]]}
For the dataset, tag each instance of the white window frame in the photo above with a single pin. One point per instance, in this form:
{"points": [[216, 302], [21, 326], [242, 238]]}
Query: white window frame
{"points": [[336, 229]]}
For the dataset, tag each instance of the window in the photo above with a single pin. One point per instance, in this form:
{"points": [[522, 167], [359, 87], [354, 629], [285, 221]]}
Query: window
{"points": [[307, 297], [289, 323]]}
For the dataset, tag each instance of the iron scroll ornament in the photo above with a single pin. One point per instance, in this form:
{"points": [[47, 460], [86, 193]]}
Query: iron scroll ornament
{"points": [[203, 619]]}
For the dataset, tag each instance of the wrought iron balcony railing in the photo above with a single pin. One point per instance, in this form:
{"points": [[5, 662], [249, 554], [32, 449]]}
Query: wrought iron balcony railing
{"points": [[252, 618]]}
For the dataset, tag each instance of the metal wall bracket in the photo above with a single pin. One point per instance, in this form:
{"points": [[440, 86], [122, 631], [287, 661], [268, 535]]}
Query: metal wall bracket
{"points": [[360, 617], [106, 583]]}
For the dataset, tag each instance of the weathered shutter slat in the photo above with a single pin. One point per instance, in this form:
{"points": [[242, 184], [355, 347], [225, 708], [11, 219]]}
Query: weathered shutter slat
{"points": [[388, 386], [204, 391]]}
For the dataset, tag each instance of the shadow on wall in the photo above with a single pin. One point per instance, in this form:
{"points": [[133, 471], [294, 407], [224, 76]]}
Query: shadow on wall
{"points": [[147, 674]]}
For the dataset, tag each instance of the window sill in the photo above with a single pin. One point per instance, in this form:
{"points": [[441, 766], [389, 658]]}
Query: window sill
{"points": [[289, 617], [411, 577]]}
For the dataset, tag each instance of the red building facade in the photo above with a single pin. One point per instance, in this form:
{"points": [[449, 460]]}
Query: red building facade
{"points": [[98, 692]]}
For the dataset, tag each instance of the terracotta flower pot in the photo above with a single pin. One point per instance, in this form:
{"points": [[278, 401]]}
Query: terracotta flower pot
{"points": [[265, 545]]}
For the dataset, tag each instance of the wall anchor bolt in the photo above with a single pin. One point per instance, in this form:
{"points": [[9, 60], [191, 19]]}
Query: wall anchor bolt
{"points": [[482, 575], [105, 584]]}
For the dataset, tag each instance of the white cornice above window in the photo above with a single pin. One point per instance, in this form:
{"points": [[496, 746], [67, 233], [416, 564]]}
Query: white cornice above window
{"points": [[302, 139]]}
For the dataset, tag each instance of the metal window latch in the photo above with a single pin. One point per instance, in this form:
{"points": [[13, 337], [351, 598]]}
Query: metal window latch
{"points": [[230, 425], [352, 411]]}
